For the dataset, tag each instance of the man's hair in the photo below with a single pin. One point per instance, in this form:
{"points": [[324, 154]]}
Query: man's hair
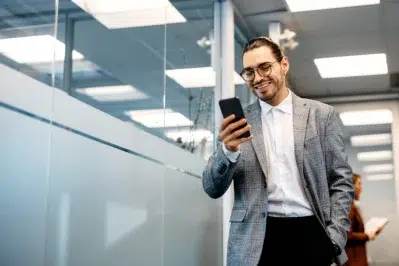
{"points": [[265, 41]]}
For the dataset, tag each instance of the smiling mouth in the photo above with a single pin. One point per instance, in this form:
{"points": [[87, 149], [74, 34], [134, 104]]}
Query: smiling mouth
{"points": [[264, 86]]}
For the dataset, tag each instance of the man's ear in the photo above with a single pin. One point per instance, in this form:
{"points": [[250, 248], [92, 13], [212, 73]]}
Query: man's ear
{"points": [[285, 65]]}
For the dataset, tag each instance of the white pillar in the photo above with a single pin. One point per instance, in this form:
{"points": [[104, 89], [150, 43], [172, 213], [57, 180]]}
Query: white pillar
{"points": [[223, 55]]}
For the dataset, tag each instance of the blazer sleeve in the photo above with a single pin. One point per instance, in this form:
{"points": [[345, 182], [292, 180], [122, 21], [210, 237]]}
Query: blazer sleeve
{"points": [[340, 182], [219, 172]]}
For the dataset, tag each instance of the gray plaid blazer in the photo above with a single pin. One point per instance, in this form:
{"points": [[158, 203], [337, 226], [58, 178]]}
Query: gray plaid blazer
{"points": [[324, 171]]}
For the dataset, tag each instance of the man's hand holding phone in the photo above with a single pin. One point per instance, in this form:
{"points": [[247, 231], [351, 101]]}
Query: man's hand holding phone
{"points": [[230, 133]]}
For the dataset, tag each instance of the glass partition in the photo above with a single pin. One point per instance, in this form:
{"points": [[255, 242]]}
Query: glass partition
{"points": [[190, 80], [189, 99], [31, 56], [91, 157]]}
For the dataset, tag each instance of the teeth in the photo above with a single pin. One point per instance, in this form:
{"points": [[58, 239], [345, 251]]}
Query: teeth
{"points": [[265, 84]]}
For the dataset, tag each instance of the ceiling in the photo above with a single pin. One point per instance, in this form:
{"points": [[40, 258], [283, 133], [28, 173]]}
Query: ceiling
{"points": [[332, 32], [138, 56]]}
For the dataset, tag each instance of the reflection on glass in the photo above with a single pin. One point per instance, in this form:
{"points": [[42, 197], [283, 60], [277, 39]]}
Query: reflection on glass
{"points": [[35, 49], [113, 93], [63, 229], [198, 77], [159, 118], [121, 221]]}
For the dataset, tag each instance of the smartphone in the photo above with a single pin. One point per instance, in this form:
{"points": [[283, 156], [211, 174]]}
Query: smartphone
{"points": [[232, 106]]}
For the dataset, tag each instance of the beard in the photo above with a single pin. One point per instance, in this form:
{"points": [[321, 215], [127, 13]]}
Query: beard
{"points": [[267, 95]]}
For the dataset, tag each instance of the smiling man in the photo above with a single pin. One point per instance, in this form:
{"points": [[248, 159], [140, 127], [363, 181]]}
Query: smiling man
{"points": [[292, 182]]}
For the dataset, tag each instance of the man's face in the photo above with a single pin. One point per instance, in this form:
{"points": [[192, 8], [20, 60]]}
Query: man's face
{"points": [[266, 87]]}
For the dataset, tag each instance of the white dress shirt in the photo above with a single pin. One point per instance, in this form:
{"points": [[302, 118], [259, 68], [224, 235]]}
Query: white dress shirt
{"points": [[286, 196]]}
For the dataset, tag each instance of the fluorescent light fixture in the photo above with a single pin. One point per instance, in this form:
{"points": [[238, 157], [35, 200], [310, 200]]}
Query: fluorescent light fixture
{"points": [[113, 93], [198, 77], [380, 177], [352, 66], [157, 118], [371, 140], [35, 49], [374, 156], [367, 117], [188, 136], [377, 168], [119, 14], [307, 5]]}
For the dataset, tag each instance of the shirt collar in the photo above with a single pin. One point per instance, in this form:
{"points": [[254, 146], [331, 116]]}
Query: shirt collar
{"points": [[285, 106]]}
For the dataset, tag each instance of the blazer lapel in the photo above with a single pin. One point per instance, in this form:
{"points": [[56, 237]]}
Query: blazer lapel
{"points": [[255, 120], [300, 119]]}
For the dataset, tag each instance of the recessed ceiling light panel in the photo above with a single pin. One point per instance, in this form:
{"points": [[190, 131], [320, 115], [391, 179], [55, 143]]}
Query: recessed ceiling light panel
{"points": [[366, 117], [371, 140], [352, 66], [308, 5], [374, 156]]}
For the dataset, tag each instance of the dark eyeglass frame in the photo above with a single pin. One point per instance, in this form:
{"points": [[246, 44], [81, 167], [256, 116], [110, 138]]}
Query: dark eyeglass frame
{"points": [[268, 70]]}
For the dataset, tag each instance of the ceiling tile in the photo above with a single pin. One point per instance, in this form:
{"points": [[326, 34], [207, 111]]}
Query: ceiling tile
{"points": [[392, 41], [339, 21], [389, 14], [359, 85], [260, 22]]}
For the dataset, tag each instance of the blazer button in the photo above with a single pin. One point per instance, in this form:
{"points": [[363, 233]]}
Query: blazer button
{"points": [[263, 214]]}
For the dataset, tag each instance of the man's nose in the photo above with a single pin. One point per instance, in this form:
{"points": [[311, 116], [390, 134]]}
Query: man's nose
{"points": [[257, 77]]}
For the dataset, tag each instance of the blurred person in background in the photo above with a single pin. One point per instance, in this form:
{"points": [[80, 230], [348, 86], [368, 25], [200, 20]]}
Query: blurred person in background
{"points": [[357, 237]]}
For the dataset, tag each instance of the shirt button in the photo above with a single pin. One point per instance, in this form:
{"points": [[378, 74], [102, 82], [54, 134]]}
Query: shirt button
{"points": [[263, 214]]}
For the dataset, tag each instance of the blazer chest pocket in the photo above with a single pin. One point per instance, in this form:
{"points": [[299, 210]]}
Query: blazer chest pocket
{"points": [[238, 215]]}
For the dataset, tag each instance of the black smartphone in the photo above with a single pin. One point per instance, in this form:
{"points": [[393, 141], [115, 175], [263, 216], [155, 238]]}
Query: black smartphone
{"points": [[232, 106]]}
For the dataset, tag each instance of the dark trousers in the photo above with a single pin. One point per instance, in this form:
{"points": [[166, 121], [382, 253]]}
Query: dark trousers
{"points": [[296, 241]]}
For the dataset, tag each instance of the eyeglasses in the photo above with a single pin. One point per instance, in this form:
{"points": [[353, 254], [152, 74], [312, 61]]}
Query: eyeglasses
{"points": [[263, 70]]}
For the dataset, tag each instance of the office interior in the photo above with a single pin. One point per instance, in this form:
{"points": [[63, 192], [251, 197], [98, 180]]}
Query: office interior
{"points": [[108, 113]]}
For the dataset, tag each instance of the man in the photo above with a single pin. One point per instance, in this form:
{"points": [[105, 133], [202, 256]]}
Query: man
{"points": [[292, 182]]}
